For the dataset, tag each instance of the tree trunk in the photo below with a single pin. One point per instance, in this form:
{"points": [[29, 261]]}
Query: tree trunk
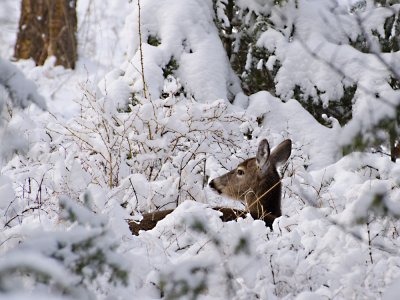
{"points": [[47, 28]]}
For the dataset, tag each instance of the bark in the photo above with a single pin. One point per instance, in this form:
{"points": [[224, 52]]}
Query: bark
{"points": [[47, 28]]}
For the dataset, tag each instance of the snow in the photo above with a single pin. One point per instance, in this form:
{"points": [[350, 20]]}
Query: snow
{"points": [[82, 151], [329, 44], [290, 120], [186, 34], [21, 90], [33, 261]]}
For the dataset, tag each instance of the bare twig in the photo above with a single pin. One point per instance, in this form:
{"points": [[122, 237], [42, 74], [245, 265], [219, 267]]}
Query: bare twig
{"points": [[369, 243], [141, 50]]}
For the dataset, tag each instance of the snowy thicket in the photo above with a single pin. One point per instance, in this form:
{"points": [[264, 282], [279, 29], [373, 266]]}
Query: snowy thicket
{"points": [[219, 76], [67, 261], [15, 91]]}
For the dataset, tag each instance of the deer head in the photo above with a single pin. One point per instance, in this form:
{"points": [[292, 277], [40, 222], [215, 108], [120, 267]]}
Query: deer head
{"points": [[256, 181]]}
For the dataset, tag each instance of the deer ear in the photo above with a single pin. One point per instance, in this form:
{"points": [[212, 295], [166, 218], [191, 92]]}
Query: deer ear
{"points": [[262, 153], [281, 153]]}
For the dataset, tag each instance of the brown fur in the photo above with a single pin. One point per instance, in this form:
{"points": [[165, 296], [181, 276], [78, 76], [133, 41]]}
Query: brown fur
{"points": [[150, 220]]}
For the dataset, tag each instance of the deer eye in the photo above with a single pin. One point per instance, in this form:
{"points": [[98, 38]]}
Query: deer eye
{"points": [[240, 172]]}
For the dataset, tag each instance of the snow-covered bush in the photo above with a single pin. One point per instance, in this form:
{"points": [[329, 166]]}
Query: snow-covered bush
{"points": [[154, 154], [338, 58], [21, 91], [15, 91], [179, 38], [73, 261]]}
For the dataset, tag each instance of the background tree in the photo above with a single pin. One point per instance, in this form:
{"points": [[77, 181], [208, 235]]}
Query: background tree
{"points": [[240, 25], [47, 28], [262, 39]]}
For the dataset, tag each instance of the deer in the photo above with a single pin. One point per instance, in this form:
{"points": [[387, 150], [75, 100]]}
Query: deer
{"points": [[255, 182]]}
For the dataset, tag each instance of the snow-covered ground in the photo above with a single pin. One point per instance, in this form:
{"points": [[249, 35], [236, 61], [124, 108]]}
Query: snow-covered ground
{"points": [[338, 237]]}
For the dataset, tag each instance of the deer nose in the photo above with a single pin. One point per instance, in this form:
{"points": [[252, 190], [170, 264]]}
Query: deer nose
{"points": [[212, 185]]}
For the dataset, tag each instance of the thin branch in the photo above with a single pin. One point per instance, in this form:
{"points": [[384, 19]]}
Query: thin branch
{"points": [[141, 51]]}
